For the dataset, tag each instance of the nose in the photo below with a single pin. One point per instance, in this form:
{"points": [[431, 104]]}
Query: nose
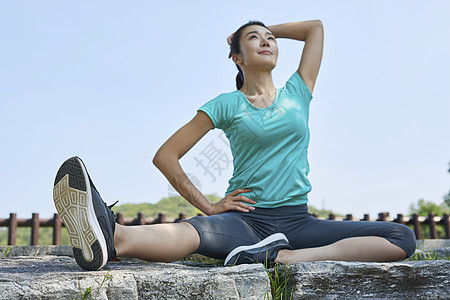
{"points": [[265, 42]]}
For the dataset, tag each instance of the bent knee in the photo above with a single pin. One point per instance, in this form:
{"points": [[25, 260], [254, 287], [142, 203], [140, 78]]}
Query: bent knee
{"points": [[404, 237]]}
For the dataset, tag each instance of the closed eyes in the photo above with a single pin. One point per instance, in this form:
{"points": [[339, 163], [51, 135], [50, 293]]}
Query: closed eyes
{"points": [[256, 36]]}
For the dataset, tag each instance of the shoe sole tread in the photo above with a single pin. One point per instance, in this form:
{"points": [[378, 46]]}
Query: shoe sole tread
{"points": [[72, 201]]}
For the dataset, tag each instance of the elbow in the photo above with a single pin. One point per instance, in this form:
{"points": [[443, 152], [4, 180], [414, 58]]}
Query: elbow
{"points": [[162, 157], [157, 158], [318, 23]]}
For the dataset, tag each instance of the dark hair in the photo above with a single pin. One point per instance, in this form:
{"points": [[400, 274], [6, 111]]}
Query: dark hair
{"points": [[235, 48]]}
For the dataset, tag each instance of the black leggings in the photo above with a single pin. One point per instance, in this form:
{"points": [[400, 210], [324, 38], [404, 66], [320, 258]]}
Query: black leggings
{"points": [[219, 234]]}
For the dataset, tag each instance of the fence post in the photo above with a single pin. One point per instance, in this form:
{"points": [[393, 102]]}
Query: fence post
{"points": [[399, 219], [141, 219], [56, 230], [446, 224], [119, 218], [12, 229], [416, 224], [162, 218], [366, 218], [348, 217], [382, 216], [432, 225], [35, 229], [181, 216]]}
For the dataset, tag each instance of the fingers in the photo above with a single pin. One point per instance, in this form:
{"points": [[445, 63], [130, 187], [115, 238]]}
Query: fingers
{"points": [[243, 207], [239, 206], [229, 39], [237, 200], [245, 199], [235, 197], [238, 191], [232, 201]]}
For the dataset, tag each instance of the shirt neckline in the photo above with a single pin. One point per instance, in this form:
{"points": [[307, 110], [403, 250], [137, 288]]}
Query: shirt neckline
{"points": [[277, 92]]}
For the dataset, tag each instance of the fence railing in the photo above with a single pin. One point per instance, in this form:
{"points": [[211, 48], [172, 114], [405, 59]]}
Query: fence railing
{"points": [[35, 223]]}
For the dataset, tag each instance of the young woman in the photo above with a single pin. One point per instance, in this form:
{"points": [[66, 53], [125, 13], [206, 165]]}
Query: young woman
{"points": [[264, 214]]}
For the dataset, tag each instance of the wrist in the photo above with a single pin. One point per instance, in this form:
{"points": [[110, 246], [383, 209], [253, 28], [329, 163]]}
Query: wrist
{"points": [[209, 208]]}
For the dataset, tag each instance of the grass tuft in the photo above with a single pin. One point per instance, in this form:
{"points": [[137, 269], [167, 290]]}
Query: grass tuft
{"points": [[6, 252], [87, 294], [279, 276]]}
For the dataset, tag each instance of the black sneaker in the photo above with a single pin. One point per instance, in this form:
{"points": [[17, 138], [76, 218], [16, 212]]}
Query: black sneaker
{"points": [[265, 251], [89, 221]]}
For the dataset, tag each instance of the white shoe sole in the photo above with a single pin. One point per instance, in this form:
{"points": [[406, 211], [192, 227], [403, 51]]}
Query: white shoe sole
{"points": [[271, 238], [75, 207]]}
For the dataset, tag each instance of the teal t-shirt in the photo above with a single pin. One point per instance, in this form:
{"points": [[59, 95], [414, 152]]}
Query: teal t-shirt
{"points": [[269, 145]]}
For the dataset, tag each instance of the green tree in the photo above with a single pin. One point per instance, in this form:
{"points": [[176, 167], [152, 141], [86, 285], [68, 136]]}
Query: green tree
{"points": [[423, 208]]}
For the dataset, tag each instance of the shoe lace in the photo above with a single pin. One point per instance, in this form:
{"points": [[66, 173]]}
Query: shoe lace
{"points": [[111, 206], [111, 213]]}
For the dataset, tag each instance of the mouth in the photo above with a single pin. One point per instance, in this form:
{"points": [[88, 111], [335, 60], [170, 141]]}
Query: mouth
{"points": [[265, 52]]}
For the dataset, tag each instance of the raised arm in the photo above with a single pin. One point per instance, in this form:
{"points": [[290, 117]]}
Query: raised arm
{"points": [[311, 32]]}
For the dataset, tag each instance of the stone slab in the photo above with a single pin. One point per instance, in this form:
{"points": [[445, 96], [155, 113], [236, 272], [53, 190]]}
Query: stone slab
{"points": [[360, 280], [59, 277], [38, 275]]}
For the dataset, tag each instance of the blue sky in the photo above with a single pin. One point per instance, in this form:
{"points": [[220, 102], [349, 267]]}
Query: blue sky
{"points": [[111, 81]]}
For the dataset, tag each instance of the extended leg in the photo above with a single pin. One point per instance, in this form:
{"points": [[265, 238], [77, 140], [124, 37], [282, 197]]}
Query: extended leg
{"points": [[364, 248], [94, 235], [159, 242]]}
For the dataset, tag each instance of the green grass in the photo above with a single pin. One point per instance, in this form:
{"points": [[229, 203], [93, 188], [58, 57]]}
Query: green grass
{"points": [[88, 292], [428, 255], [6, 252], [279, 277]]}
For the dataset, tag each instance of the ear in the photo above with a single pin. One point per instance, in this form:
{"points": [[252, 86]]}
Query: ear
{"points": [[237, 59]]}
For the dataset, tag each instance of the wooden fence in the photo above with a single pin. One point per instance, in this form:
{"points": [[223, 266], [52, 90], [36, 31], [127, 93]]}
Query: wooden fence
{"points": [[35, 223]]}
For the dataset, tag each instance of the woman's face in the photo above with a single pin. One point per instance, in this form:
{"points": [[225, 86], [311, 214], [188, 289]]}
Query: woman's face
{"points": [[258, 48]]}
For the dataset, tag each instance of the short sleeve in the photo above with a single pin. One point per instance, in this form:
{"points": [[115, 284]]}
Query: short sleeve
{"points": [[220, 110], [295, 85]]}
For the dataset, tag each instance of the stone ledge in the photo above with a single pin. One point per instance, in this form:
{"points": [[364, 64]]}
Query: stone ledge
{"points": [[50, 277], [59, 277], [359, 280]]}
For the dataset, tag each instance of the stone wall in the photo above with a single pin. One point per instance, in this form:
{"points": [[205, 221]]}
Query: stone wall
{"points": [[48, 272]]}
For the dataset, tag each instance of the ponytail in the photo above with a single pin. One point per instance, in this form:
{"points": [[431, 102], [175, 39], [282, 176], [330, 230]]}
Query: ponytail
{"points": [[239, 78]]}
